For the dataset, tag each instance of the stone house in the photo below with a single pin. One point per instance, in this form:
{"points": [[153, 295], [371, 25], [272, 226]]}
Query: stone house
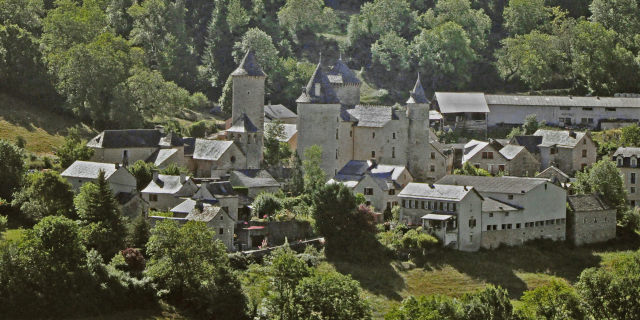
{"points": [[216, 218], [118, 177], [626, 160], [511, 159], [524, 208], [556, 176], [255, 180], [590, 219], [380, 184], [451, 213], [462, 110], [440, 159], [215, 158], [279, 112], [218, 193], [165, 192], [128, 146]]}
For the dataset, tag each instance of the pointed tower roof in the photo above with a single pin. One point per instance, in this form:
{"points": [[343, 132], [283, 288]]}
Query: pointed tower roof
{"points": [[417, 95], [249, 66], [340, 73], [327, 95], [243, 124]]}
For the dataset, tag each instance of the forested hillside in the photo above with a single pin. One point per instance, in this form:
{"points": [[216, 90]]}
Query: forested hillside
{"points": [[119, 63]]}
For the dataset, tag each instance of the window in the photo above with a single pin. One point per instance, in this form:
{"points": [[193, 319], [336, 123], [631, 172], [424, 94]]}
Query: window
{"points": [[510, 197], [233, 159], [503, 227], [509, 226], [373, 154], [583, 120], [565, 108], [432, 168], [584, 153], [501, 167], [393, 152], [453, 207], [634, 162], [595, 220], [477, 165], [153, 198], [584, 141], [422, 205], [336, 134], [125, 153], [619, 162], [472, 223], [392, 192], [589, 121], [487, 155], [388, 205], [495, 227], [404, 203], [490, 214], [336, 153], [489, 228], [373, 135], [632, 178], [633, 190], [552, 150], [582, 166], [609, 109], [394, 135], [221, 231], [368, 191], [429, 205], [350, 133], [587, 109], [441, 206], [632, 203], [221, 217], [412, 203], [471, 238], [317, 89], [517, 226], [506, 214]]}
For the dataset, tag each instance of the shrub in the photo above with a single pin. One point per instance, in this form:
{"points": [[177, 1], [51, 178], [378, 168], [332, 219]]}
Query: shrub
{"points": [[414, 239], [267, 204], [134, 259], [4, 222], [47, 163], [21, 142]]}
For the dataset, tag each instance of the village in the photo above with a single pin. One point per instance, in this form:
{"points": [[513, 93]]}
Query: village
{"points": [[393, 157]]}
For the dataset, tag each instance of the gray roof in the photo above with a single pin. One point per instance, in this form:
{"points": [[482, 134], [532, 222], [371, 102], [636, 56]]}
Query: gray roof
{"points": [[529, 142], [161, 155], [255, 178], [627, 152], [548, 173], [435, 191], [278, 111], [511, 185], [511, 151], [455, 102], [384, 175], [417, 94], [472, 148], [221, 189], [189, 145], [243, 124], [249, 67], [562, 101], [210, 149], [89, 170], [371, 116], [559, 138], [208, 213], [289, 131], [137, 138], [185, 207], [172, 139], [588, 202], [494, 205], [165, 184], [340, 73], [327, 95]]}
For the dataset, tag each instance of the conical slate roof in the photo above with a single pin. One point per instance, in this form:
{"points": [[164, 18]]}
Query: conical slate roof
{"points": [[417, 95], [327, 95], [340, 73], [243, 124], [249, 66]]}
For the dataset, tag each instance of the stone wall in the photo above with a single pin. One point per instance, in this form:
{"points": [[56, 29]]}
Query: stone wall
{"points": [[277, 231], [513, 237], [591, 226]]}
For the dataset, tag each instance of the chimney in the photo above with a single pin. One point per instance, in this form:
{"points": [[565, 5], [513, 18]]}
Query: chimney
{"points": [[432, 186], [570, 97], [155, 175], [373, 163], [160, 128], [304, 90], [269, 102], [117, 165], [183, 177], [598, 97], [572, 134], [465, 188], [199, 205]]}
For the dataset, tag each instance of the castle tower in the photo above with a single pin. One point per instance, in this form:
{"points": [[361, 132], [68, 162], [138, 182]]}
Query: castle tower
{"points": [[248, 108], [418, 146], [319, 120], [345, 83]]}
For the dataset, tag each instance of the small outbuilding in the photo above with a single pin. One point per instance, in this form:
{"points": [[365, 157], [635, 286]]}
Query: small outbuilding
{"points": [[590, 219]]}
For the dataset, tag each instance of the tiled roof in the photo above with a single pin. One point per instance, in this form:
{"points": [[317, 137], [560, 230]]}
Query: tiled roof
{"points": [[562, 101], [511, 151], [185, 207], [340, 73], [559, 138], [494, 205], [588, 202], [278, 111], [89, 170], [371, 116], [249, 67], [255, 178], [137, 138], [512, 185], [435, 191], [243, 124], [455, 102], [210, 149], [627, 152], [417, 94], [165, 184], [529, 142], [327, 95]]}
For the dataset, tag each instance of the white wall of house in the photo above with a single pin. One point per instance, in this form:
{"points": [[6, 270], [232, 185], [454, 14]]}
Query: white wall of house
{"points": [[511, 114]]}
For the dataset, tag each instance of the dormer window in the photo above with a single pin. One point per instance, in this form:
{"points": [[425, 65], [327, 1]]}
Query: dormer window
{"points": [[619, 160], [317, 89], [634, 161]]}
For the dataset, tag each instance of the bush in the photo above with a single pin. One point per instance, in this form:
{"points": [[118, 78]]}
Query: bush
{"points": [[418, 240], [4, 222], [267, 204], [21, 142], [47, 163], [200, 128]]}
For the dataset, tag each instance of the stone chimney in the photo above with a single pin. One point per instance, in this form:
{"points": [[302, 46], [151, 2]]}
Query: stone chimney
{"points": [[160, 128], [572, 134], [183, 177], [117, 166], [155, 175]]}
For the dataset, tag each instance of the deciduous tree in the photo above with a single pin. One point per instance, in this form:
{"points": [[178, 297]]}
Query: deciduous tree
{"points": [[45, 194]]}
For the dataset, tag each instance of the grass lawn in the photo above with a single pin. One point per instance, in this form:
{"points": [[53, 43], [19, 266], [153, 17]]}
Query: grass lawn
{"points": [[12, 234]]}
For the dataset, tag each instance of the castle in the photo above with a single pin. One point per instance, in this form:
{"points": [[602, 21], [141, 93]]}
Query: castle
{"points": [[330, 116]]}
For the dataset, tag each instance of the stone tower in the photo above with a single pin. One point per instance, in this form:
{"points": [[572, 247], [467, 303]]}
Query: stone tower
{"points": [[345, 83], [319, 119], [418, 146], [248, 109]]}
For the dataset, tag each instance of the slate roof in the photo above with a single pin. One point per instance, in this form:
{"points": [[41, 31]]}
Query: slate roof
{"points": [[417, 94], [435, 191], [494, 205], [588, 202], [289, 131], [562, 101], [511, 185], [371, 116], [165, 184], [255, 178], [435, 115], [210, 149], [455, 102], [89, 170], [347, 180], [327, 95], [208, 213], [355, 171], [548, 172], [472, 148], [221, 189], [627, 152], [511, 151], [161, 155], [249, 67], [558, 138], [172, 139], [189, 145], [529, 142], [278, 111], [136, 138], [340, 73], [243, 124], [185, 207]]}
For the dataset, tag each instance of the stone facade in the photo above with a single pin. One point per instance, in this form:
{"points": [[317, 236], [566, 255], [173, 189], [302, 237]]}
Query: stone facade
{"points": [[515, 237], [591, 226]]}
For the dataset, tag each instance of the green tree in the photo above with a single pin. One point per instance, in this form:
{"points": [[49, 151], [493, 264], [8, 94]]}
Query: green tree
{"points": [[200, 129], [490, 303], [192, 272], [102, 223], [332, 295], [143, 172], [152, 96], [73, 149], [391, 56], [226, 98], [285, 270], [26, 14], [173, 169], [261, 44], [45, 194], [276, 151], [531, 124], [267, 204], [314, 176], [296, 183], [621, 16], [11, 168], [301, 15], [555, 301], [427, 307], [469, 170], [630, 136], [475, 22], [139, 233], [523, 16], [605, 178]]}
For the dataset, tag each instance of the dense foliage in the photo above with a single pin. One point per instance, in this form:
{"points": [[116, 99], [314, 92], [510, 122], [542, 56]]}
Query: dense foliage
{"points": [[45, 193], [11, 168]]}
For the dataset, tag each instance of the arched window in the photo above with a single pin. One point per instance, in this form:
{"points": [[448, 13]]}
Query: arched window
{"points": [[472, 222]]}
